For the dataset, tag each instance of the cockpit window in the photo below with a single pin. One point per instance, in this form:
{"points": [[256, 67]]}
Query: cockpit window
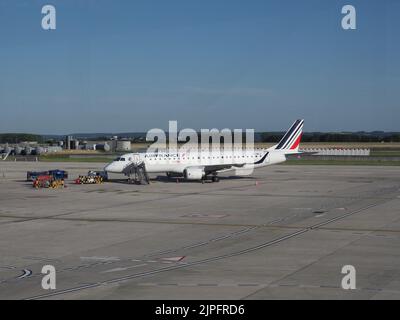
{"points": [[122, 159], [117, 159]]}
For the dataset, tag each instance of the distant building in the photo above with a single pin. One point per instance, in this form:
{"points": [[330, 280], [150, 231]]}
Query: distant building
{"points": [[68, 142], [123, 146]]}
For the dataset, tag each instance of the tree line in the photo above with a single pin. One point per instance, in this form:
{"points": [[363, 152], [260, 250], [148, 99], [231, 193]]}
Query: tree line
{"points": [[19, 137]]}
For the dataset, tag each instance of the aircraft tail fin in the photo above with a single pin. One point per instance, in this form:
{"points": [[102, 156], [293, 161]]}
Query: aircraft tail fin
{"points": [[291, 140]]}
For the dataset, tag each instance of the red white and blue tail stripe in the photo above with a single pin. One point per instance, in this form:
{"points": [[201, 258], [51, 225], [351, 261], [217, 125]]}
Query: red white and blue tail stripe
{"points": [[291, 140]]}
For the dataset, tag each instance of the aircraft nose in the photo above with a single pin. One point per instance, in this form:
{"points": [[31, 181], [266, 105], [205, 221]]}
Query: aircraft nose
{"points": [[108, 167]]}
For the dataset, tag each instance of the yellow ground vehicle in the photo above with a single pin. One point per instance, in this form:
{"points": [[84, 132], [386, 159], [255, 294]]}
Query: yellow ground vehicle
{"points": [[89, 180]]}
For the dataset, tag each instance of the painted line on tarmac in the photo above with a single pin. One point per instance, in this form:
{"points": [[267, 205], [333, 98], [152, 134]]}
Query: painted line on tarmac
{"points": [[207, 260], [26, 273]]}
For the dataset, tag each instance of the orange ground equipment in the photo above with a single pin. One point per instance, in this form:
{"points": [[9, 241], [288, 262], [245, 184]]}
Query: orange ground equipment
{"points": [[48, 181]]}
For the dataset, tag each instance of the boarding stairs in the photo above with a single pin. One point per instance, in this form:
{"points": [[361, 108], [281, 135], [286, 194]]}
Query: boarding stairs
{"points": [[6, 156], [137, 173]]}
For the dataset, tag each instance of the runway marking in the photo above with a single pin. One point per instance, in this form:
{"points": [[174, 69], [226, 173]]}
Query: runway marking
{"points": [[115, 259], [280, 195], [41, 259], [173, 259], [26, 273], [8, 267], [154, 221], [101, 258], [199, 244], [189, 194], [223, 237], [124, 268], [201, 215], [206, 260], [62, 215], [205, 193]]}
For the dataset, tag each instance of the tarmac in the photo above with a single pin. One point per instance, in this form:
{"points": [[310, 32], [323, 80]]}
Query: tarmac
{"points": [[283, 233]]}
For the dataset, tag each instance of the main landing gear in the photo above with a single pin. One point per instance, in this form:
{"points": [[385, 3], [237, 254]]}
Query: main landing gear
{"points": [[214, 178]]}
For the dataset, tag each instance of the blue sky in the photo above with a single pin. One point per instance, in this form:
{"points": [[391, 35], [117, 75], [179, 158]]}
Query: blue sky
{"points": [[115, 66]]}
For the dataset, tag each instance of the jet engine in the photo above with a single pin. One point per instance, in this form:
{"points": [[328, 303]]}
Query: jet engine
{"points": [[194, 173]]}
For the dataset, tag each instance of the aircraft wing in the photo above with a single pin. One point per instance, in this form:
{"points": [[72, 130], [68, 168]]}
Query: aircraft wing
{"points": [[226, 167], [221, 167]]}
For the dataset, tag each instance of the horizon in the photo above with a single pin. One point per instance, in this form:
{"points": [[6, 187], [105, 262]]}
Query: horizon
{"points": [[167, 132]]}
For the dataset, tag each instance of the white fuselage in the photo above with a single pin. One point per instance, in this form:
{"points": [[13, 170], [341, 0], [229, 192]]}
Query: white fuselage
{"points": [[178, 162], [195, 164]]}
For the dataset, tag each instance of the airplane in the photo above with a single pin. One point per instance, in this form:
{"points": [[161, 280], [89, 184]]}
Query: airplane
{"points": [[202, 165]]}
